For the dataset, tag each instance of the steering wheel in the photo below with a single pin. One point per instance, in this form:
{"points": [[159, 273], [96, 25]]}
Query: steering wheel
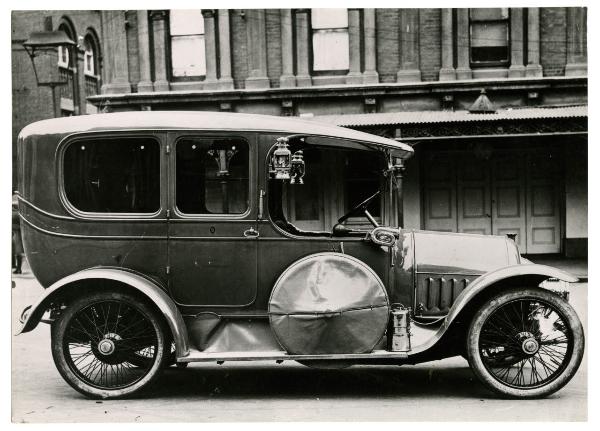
{"points": [[360, 208]]}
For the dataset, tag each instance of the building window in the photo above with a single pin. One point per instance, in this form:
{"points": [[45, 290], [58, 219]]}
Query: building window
{"points": [[63, 56], [330, 42], [91, 69], [212, 176], [188, 58], [489, 34], [113, 175], [89, 58], [65, 68]]}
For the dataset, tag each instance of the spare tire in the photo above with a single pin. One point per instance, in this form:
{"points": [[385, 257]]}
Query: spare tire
{"points": [[328, 303]]}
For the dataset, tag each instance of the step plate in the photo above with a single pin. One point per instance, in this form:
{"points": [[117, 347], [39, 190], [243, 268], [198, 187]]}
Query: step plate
{"points": [[197, 356]]}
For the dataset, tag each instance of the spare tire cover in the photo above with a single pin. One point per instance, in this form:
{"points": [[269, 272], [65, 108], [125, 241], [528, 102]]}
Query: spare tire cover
{"points": [[328, 303]]}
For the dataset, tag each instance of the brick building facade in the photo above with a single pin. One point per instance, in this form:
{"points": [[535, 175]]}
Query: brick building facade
{"points": [[411, 74]]}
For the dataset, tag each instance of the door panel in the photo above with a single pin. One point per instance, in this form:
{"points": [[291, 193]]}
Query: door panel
{"points": [[543, 218], [473, 194], [440, 193], [508, 197], [212, 268], [212, 250]]}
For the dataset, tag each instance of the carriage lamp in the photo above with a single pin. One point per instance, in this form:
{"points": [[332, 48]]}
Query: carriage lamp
{"points": [[281, 160], [298, 168], [42, 47]]}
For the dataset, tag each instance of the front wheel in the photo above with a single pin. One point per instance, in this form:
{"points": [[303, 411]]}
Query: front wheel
{"points": [[95, 338], [525, 343]]}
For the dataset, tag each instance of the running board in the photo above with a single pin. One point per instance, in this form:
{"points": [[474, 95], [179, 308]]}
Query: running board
{"points": [[280, 356]]}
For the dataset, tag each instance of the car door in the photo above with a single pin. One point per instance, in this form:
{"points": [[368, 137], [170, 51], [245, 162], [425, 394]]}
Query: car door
{"points": [[212, 225], [321, 197]]}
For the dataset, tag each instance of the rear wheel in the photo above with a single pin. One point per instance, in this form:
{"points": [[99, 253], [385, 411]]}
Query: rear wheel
{"points": [[525, 343], [95, 339]]}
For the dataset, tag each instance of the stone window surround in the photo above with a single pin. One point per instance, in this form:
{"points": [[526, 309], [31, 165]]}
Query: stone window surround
{"points": [[155, 22], [91, 52], [302, 51], [473, 21], [169, 46], [90, 80], [68, 65], [517, 45], [339, 29]]}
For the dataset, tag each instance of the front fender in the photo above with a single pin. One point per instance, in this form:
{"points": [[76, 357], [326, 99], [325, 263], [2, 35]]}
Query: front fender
{"points": [[143, 285], [526, 275]]}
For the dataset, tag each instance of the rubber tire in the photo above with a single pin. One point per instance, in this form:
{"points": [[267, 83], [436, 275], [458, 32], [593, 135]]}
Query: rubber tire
{"points": [[520, 293], [58, 331]]}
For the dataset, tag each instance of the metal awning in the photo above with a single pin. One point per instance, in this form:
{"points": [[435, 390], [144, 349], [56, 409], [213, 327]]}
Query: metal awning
{"points": [[433, 117]]}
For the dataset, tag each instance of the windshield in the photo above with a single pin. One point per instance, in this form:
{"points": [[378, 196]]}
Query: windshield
{"points": [[335, 181]]}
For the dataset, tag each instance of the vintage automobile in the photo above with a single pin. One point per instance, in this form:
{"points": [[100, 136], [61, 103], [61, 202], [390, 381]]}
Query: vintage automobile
{"points": [[173, 237]]}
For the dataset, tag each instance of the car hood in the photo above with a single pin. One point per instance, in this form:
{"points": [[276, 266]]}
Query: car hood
{"points": [[459, 253]]}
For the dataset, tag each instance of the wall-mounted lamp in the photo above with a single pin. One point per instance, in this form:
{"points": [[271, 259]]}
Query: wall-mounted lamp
{"points": [[42, 48]]}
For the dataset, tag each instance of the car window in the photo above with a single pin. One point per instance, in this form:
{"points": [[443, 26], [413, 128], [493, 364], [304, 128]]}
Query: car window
{"points": [[362, 180], [118, 175], [212, 175], [335, 181]]}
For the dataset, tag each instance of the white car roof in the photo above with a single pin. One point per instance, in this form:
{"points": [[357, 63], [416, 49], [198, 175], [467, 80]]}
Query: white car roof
{"points": [[157, 120]]}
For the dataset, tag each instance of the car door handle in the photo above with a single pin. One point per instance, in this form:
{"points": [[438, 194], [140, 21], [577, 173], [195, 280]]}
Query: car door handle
{"points": [[251, 233]]}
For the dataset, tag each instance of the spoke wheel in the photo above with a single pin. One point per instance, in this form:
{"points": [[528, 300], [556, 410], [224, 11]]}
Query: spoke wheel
{"points": [[525, 343], [97, 337]]}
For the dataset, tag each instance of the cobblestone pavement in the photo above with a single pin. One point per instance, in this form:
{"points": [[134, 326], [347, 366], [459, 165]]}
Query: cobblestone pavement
{"points": [[441, 390]]}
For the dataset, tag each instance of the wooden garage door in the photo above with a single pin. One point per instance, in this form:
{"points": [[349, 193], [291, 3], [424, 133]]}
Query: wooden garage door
{"points": [[513, 192], [508, 197], [543, 205], [473, 196], [440, 192]]}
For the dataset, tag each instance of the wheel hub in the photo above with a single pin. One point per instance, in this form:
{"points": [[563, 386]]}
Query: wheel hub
{"points": [[529, 344], [106, 347]]}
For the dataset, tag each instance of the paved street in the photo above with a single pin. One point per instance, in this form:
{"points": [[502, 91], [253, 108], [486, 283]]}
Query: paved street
{"points": [[443, 390]]}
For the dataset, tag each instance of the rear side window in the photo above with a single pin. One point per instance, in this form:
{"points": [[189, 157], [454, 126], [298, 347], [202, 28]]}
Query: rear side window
{"points": [[120, 175], [212, 175]]}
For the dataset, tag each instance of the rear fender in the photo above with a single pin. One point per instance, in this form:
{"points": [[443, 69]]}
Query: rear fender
{"points": [[145, 286], [491, 283]]}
